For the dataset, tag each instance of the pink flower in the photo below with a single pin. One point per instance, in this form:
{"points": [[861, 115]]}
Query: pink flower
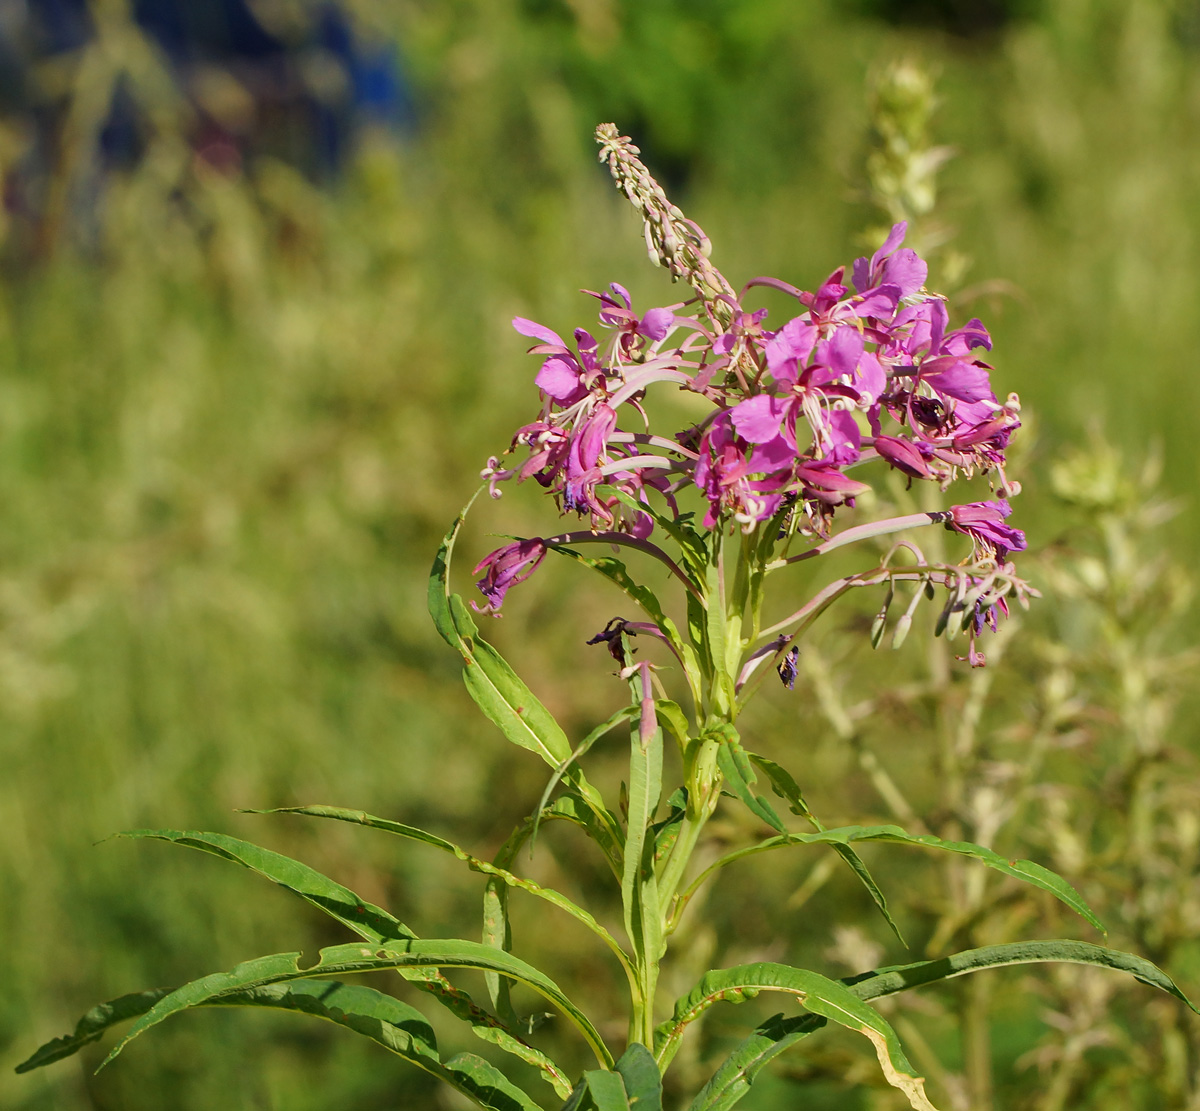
{"points": [[983, 522], [506, 567]]}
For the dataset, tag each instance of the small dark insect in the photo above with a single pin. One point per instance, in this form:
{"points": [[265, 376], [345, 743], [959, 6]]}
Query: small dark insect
{"points": [[788, 669]]}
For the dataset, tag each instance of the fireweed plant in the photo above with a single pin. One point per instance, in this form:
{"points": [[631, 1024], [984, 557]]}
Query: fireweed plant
{"points": [[868, 375]]}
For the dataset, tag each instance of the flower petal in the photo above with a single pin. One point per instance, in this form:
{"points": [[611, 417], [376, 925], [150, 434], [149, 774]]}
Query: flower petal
{"points": [[536, 331]]}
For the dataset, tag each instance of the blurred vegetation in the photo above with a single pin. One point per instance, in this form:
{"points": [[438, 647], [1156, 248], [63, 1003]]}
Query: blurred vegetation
{"points": [[237, 410]]}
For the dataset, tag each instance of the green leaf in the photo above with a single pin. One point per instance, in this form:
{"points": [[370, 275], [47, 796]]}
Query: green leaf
{"points": [[737, 1072], [672, 716], [1026, 870], [365, 919], [733, 1078], [581, 749], [412, 833], [817, 994], [92, 1026], [339, 960], [715, 640], [639, 884], [368, 921], [497, 931], [888, 981], [385, 1020], [735, 767], [788, 789], [666, 831], [500, 693], [692, 546], [643, 1081], [599, 1090], [503, 696]]}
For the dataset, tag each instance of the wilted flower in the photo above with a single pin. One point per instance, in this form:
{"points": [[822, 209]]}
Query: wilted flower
{"points": [[506, 567], [984, 523]]}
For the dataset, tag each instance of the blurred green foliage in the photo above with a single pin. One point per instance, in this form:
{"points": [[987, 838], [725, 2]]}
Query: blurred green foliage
{"points": [[237, 413]]}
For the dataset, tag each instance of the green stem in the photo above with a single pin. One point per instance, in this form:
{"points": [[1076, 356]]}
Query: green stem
{"points": [[677, 862]]}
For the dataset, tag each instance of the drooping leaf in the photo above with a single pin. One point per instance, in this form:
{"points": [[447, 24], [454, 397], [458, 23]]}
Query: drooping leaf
{"points": [[817, 994], [365, 919], [738, 1071], [734, 1076], [389, 1022], [368, 921], [643, 1081], [492, 683], [499, 691], [788, 789], [1026, 870], [340, 960], [503, 695], [888, 981], [92, 1026], [399, 829]]}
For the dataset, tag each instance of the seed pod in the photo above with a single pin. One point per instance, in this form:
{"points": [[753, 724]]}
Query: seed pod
{"points": [[880, 622]]}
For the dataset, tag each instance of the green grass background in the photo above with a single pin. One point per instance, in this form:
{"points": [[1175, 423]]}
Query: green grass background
{"points": [[237, 415]]}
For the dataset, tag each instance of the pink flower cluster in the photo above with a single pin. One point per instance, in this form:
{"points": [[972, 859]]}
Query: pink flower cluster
{"points": [[863, 372]]}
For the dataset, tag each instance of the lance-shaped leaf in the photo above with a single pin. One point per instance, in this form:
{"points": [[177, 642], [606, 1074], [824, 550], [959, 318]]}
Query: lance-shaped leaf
{"points": [[639, 883], [718, 644], [888, 981], [412, 833], [739, 776], [373, 923], [499, 691], [616, 851], [338, 960], [736, 1073], [817, 994], [693, 548], [385, 1020], [788, 789], [365, 919], [1027, 870]]}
